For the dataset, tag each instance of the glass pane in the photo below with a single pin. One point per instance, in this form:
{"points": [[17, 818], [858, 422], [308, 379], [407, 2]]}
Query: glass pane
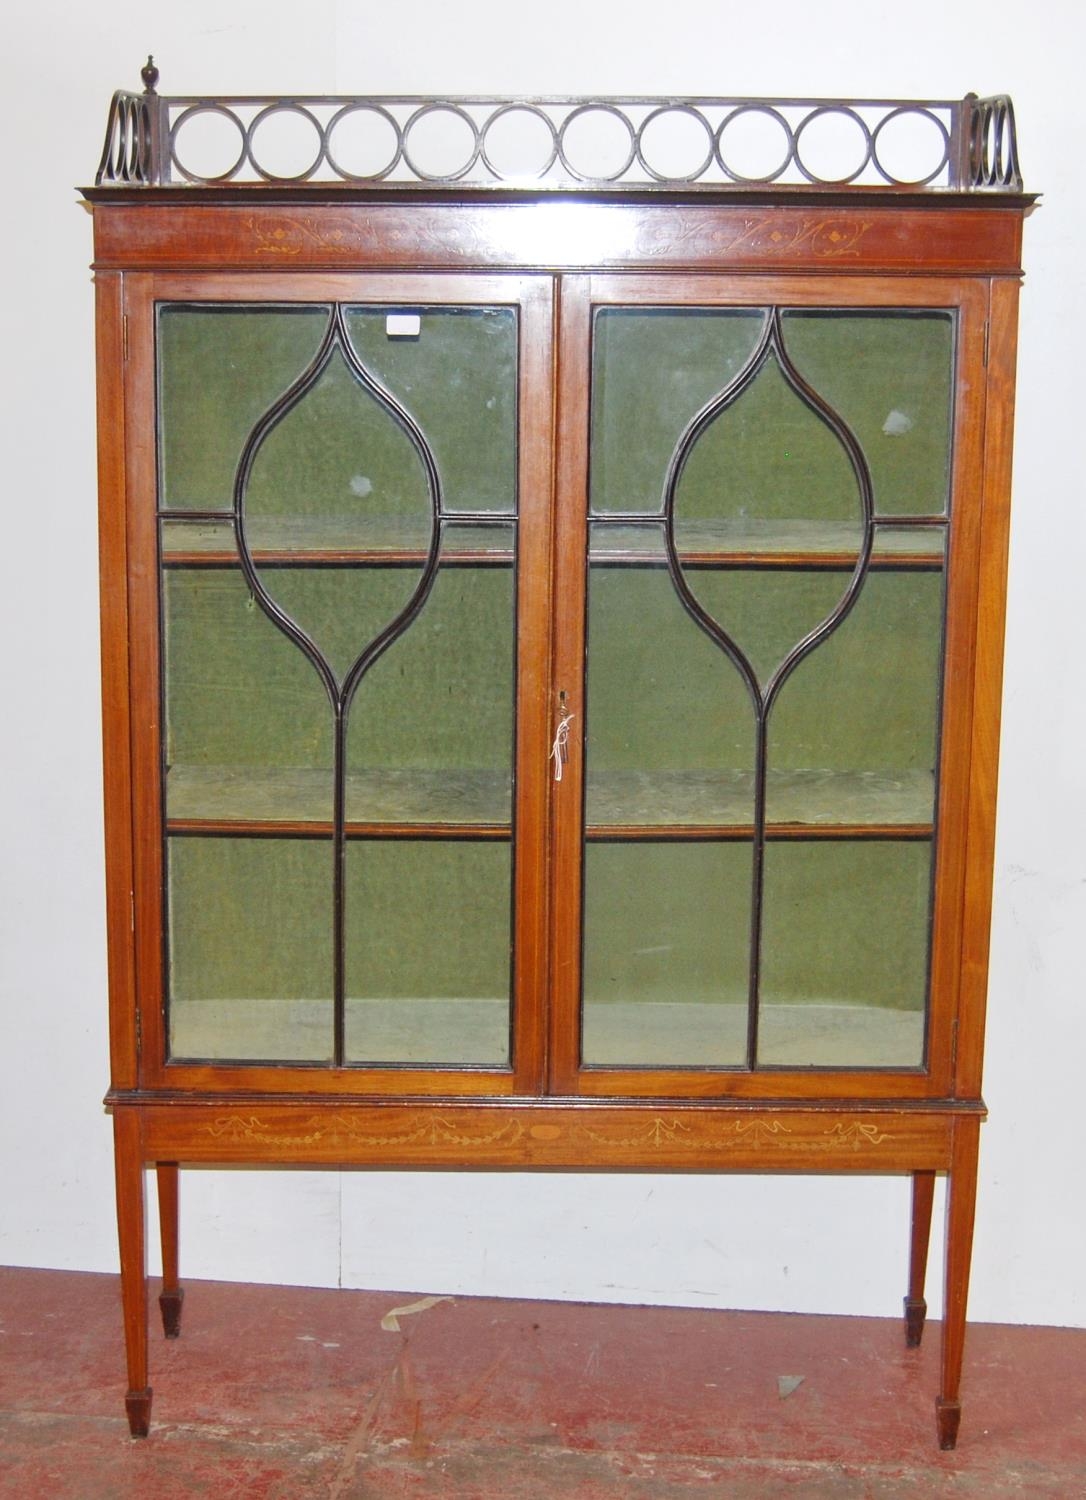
{"points": [[339, 510], [430, 734], [220, 369], [340, 459], [890, 374], [853, 736], [248, 724], [429, 939], [250, 949], [670, 741], [666, 938], [767, 474], [845, 954], [458, 377], [429, 923], [769, 458], [846, 924], [764, 611], [670, 725], [653, 369], [339, 464], [774, 462]]}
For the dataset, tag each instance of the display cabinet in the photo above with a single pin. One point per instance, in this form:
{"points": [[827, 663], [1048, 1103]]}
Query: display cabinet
{"points": [[552, 634]]}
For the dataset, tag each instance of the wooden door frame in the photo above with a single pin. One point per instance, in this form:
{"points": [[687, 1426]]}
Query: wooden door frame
{"points": [[532, 296], [580, 295]]}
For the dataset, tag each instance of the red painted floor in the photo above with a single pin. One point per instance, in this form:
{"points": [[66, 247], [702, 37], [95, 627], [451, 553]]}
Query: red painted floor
{"points": [[285, 1394]]}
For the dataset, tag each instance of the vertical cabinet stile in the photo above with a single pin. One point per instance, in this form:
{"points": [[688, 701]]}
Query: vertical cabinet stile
{"points": [[567, 687], [535, 648]]}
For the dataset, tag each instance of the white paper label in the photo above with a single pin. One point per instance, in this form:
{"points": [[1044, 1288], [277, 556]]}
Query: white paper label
{"points": [[403, 325]]}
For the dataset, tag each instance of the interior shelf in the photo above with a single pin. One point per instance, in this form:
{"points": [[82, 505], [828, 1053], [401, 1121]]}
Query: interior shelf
{"points": [[620, 804], [775, 544], [258, 800], [448, 1031], [332, 541], [804, 804]]}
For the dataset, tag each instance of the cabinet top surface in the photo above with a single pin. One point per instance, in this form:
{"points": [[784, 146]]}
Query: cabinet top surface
{"points": [[725, 149]]}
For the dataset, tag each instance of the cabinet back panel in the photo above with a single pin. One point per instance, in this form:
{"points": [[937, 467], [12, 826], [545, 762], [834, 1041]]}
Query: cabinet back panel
{"points": [[250, 948], [219, 370], [222, 367], [667, 944], [868, 697], [458, 379], [339, 454], [846, 922], [239, 693], [767, 456], [653, 369], [442, 694], [666, 924], [888, 374], [429, 929], [662, 695]]}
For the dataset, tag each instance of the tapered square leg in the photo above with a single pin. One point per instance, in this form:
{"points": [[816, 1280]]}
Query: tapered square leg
{"points": [[169, 1305], [948, 1416], [172, 1295], [960, 1211], [131, 1216], [137, 1404], [916, 1308]]}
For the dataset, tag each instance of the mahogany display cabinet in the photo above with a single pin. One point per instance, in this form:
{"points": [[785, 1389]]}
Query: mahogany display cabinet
{"points": [[553, 562]]}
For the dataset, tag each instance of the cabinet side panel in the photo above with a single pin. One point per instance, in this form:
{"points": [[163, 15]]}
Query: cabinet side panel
{"points": [[991, 613], [117, 788], [144, 668], [958, 702]]}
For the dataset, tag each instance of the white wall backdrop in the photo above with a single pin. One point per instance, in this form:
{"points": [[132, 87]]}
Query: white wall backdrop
{"points": [[808, 1245]]}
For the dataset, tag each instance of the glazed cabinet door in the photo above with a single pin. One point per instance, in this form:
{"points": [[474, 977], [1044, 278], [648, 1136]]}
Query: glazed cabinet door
{"points": [[340, 550], [767, 571]]}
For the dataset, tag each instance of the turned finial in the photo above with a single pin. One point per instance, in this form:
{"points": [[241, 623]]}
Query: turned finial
{"points": [[149, 74]]}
